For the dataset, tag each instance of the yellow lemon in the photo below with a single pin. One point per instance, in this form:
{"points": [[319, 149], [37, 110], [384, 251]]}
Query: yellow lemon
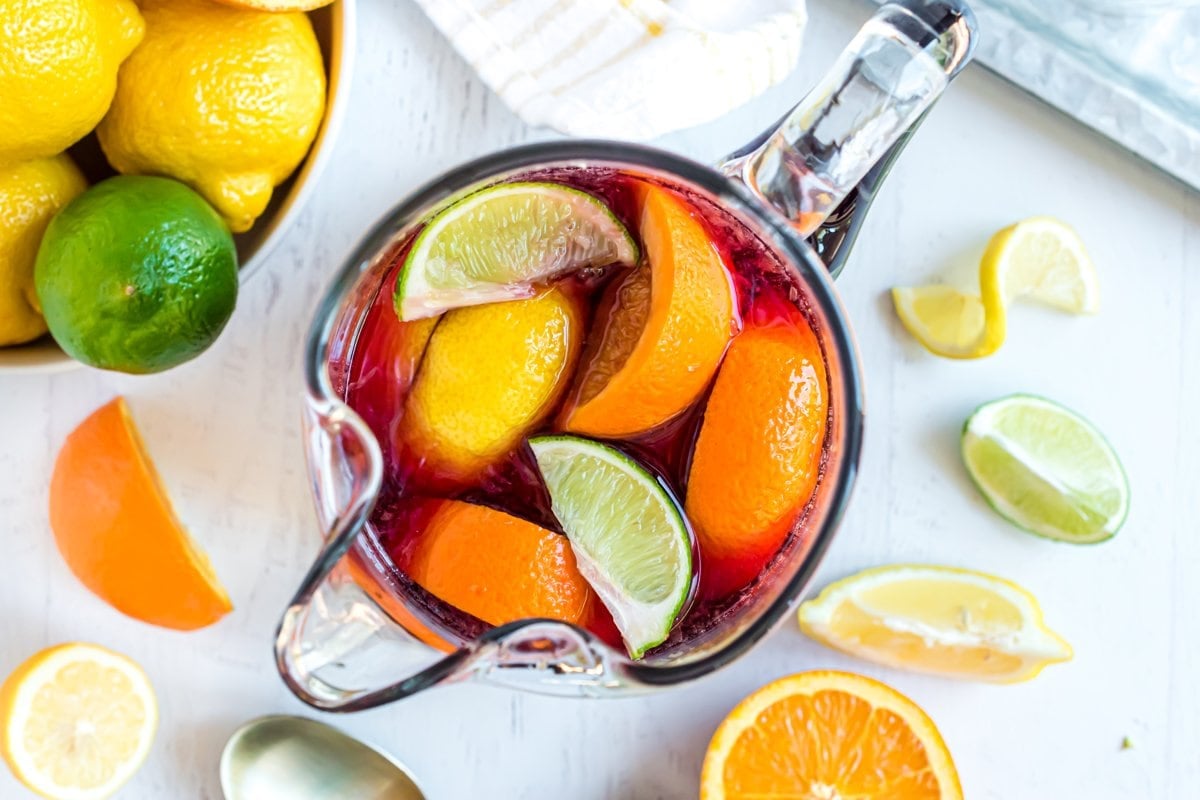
{"points": [[76, 721], [1040, 259], [490, 375], [225, 100], [944, 621], [30, 194], [58, 70]]}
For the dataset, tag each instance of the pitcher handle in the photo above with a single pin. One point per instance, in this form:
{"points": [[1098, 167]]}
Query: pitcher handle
{"points": [[337, 649], [877, 92]]}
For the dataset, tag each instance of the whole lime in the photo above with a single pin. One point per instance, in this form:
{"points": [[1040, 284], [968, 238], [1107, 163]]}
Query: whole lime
{"points": [[137, 274]]}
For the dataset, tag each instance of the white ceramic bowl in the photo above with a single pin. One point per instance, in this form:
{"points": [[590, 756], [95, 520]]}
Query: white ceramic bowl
{"points": [[335, 28]]}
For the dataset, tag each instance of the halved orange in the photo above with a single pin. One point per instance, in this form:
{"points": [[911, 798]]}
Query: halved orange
{"points": [[826, 735], [115, 528], [667, 326]]}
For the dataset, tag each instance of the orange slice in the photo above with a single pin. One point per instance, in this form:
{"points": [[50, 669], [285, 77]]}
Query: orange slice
{"points": [[668, 325], [824, 736], [497, 567], [490, 374], [757, 458], [115, 528]]}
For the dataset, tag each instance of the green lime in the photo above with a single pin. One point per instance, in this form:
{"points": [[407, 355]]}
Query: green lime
{"points": [[627, 531], [1046, 469], [494, 244], [137, 274]]}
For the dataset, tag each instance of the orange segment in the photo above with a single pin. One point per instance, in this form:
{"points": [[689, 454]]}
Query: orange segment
{"points": [[821, 735], [667, 327], [490, 375], [757, 457], [497, 567], [115, 528]]}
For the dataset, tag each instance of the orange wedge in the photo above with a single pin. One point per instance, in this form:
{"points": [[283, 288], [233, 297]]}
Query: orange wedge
{"points": [[827, 735], [115, 528], [758, 455], [497, 567], [667, 326]]}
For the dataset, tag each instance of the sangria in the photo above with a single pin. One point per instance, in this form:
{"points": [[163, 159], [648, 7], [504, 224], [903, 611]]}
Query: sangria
{"points": [[600, 399]]}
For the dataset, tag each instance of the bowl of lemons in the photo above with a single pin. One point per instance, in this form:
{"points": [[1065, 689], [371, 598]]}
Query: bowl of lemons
{"points": [[152, 155]]}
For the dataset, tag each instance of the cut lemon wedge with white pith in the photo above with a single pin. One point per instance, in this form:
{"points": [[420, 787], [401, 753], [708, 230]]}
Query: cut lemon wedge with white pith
{"points": [[940, 620], [78, 721], [627, 532], [495, 244], [1046, 469], [1040, 259]]}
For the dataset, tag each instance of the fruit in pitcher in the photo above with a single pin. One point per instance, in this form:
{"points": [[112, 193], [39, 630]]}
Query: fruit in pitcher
{"points": [[224, 99], [944, 621], [115, 528], [757, 458], [828, 735], [30, 194], [490, 375], [497, 567], [58, 70], [1046, 469], [277, 5], [76, 721], [628, 534], [667, 327], [137, 274], [497, 243]]}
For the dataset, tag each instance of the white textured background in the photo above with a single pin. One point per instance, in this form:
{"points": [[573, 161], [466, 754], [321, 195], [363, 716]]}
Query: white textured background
{"points": [[224, 430]]}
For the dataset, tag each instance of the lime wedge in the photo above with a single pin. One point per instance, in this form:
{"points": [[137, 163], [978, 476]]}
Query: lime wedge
{"points": [[495, 244], [628, 534], [1046, 469], [1040, 259]]}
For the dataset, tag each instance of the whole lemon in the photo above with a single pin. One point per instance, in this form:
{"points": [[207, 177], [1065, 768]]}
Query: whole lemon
{"points": [[137, 274], [226, 100], [30, 194], [58, 70]]}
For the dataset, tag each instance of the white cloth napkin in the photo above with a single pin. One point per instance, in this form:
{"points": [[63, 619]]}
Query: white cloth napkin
{"points": [[625, 69]]}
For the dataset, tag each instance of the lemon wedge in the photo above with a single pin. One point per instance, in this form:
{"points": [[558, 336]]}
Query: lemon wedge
{"points": [[76, 721], [940, 620], [1040, 259]]}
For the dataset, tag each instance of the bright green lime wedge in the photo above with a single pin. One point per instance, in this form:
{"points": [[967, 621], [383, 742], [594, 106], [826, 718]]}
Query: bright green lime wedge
{"points": [[628, 534], [495, 244], [1046, 469]]}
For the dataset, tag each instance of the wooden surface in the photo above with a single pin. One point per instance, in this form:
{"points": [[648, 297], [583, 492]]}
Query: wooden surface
{"points": [[225, 431]]}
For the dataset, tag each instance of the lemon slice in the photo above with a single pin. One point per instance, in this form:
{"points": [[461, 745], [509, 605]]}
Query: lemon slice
{"points": [[940, 620], [76, 721], [1040, 259]]}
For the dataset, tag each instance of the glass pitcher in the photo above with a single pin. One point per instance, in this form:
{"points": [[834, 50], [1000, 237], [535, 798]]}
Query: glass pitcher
{"points": [[352, 637]]}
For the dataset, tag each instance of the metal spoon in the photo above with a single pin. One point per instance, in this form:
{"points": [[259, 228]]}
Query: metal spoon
{"points": [[293, 758]]}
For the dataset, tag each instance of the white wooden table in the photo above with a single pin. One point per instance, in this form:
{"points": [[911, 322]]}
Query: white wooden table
{"points": [[224, 430]]}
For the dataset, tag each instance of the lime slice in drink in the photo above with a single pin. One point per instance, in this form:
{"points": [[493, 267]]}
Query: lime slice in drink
{"points": [[1046, 469], [495, 244], [628, 534]]}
